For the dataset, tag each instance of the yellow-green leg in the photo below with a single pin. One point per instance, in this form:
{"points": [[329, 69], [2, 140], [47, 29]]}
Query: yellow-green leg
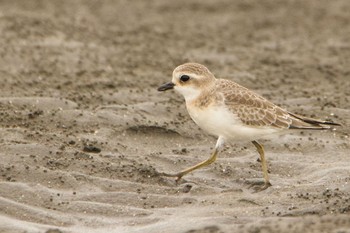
{"points": [[210, 160], [179, 175], [260, 149]]}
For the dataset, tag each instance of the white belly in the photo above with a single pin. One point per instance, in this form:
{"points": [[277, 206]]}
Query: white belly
{"points": [[219, 121]]}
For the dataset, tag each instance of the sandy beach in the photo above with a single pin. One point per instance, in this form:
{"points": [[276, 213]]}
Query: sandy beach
{"points": [[85, 133]]}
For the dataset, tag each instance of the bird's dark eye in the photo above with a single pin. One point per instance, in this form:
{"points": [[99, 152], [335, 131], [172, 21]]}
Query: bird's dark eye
{"points": [[184, 78]]}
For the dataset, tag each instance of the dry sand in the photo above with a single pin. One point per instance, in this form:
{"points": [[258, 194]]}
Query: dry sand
{"points": [[84, 131]]}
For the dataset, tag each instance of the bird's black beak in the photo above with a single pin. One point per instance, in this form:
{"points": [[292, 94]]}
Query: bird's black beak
{"points": [[166, 86]]}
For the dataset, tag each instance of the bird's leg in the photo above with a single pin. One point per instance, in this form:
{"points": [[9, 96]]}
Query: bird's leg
{"points": [[179, 175], [260, 149], [210, 160]]}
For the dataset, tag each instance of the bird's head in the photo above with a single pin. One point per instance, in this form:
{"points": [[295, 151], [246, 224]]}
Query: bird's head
{"points": [[189, 79]]}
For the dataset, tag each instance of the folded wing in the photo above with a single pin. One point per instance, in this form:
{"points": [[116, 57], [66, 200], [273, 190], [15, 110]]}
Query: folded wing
{"points": [[254, 110]]}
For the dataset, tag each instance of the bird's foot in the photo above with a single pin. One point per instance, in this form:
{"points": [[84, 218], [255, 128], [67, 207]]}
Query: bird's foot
{"points": [[177, 176]]}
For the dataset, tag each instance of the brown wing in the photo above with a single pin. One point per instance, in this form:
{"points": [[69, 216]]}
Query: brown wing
{"points": [[256, 116], [255, 110]]}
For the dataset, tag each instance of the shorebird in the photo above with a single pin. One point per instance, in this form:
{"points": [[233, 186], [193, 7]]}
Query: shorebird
{"points": [[230, 111]]}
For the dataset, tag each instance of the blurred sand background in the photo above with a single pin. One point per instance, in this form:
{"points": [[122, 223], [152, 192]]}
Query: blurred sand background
{"points": [[84, 131]]}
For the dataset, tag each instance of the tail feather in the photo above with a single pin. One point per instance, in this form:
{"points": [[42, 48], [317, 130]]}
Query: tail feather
{"points": [[302, 122]]}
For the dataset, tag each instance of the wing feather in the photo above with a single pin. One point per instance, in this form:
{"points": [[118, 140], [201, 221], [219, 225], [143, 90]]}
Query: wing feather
{"points": [[252, 109], [255, 110]]}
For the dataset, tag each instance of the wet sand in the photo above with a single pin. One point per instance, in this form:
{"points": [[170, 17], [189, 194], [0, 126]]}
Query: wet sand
{"points": [[84, 131]]}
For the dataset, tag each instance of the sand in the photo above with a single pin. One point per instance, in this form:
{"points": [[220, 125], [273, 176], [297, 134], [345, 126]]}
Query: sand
{"points": [[84, 132]]}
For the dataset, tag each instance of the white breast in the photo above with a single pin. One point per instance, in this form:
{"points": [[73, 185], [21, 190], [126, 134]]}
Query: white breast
{"points": [[219, 121]]}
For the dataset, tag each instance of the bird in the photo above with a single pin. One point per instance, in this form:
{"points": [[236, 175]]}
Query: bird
{"points": [[232, 112]]}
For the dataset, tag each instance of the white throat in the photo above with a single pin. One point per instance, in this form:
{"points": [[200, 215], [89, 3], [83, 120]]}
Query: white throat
{"points": [[188, 92]]}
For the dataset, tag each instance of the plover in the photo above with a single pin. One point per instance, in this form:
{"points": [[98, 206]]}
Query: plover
{"points": [[230, 111]]}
